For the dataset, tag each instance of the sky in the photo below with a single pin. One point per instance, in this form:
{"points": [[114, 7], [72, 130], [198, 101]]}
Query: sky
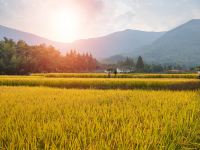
{"points": [[69, 20]]}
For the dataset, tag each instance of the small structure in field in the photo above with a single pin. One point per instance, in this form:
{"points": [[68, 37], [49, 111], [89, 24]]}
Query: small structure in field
{"points": [[125, 70], [198, 74], [111, 70], [175, 71]]}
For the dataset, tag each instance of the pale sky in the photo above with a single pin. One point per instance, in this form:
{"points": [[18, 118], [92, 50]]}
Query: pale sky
{"points": [[68, 20]]}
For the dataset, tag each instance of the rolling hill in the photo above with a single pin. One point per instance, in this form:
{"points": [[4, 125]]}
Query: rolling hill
{"points": [[180, 45], [116, 43], [105, 46], [31, 39]]}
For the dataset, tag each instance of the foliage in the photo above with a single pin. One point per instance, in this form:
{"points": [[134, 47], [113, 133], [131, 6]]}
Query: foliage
{"points": [[128, 63], [140, 64], [20, 58]]}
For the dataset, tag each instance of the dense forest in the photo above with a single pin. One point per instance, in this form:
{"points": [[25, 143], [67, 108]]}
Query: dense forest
{"points": [[21, 58]]}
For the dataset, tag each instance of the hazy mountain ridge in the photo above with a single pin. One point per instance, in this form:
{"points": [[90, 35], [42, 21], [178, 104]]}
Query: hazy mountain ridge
{"points": [[105, 46], [30, 38], [180, 45], [113, 59], [116, 43]]}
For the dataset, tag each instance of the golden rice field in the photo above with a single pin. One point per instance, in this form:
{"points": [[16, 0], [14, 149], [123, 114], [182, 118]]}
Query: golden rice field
{"points": [[93, 113], [103, 83], [104, 75], [54, 118]]}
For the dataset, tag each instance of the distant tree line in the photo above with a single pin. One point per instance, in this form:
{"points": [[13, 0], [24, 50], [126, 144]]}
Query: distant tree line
{"points": [[21, 58], [140, 66]]}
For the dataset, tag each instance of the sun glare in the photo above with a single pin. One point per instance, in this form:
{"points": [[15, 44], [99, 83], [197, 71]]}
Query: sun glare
{"points": [[66, 25]]}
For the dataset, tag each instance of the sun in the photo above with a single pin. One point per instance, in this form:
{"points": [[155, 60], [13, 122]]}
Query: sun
{"points": [[67, 23]]}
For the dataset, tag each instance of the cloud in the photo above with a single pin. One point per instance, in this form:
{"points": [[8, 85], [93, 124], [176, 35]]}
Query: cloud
{"points": [[91, 6], [99, 16]]}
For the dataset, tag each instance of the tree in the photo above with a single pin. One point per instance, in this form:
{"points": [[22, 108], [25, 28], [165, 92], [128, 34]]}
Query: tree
{"points": [[127, 63], [140, 63], [21, 58], [76, 62], [157, 68]]}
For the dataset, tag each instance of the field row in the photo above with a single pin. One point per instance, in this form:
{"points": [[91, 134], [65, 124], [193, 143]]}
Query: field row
{"points": [[50, 118], [104, 75], [99, 83]]}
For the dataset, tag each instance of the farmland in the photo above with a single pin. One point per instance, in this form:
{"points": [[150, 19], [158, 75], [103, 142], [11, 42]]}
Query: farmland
{"points": [[103, 83], [43, 112], [104, 75]]}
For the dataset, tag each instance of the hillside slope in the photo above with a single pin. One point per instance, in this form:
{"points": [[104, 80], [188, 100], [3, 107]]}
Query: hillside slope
{"points": [[105, 46], [116, 43], [180, 45], [31, 39]]}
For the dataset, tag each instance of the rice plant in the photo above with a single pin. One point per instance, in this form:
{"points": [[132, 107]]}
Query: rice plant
{"points": [[103, 83], [104, 75], [51, 118]]}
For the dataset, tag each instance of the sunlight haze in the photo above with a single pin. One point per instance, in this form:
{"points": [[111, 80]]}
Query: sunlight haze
{"points": [[69, 20]]}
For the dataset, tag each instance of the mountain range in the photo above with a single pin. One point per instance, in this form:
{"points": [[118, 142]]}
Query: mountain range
{"points": [[116, 43], [29, 38], [180, 45]]}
